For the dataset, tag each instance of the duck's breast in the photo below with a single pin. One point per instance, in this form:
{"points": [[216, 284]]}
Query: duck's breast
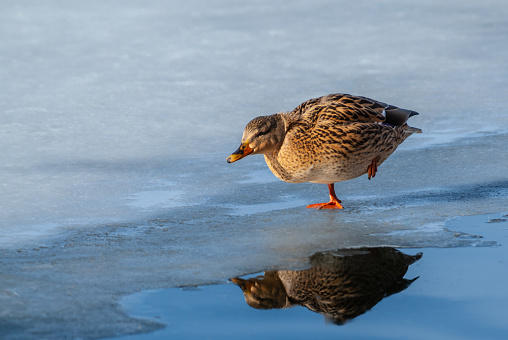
{"points": [[334, 154]]}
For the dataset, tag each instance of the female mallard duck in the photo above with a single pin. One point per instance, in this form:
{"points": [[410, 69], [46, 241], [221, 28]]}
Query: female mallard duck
{"points": [[325, 140]]}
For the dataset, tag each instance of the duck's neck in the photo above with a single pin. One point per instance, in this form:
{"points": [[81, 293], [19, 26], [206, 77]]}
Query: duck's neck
{"points": [[280, 129], [271, 157]]}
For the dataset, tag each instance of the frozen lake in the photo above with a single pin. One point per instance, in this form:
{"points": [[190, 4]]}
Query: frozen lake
{"points": [[117, 118]]}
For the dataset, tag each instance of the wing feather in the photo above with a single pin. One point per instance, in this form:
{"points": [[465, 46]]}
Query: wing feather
{"points": [[340, 109]]}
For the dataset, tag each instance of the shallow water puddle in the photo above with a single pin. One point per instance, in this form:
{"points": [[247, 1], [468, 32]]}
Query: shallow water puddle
{"points": [[361, 293]]}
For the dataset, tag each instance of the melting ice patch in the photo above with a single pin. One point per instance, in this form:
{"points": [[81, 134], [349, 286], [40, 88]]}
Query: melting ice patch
{"points": [[434, 231], [13, 235], [148, 200], [250, 209]]}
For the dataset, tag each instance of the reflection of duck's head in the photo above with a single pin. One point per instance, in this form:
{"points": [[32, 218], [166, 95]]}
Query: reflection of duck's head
{"points": [[263, 292]]}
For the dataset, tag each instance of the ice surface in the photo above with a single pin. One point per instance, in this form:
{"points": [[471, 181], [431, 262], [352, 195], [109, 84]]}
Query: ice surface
{"points": [[95, 106], [117, 118]]}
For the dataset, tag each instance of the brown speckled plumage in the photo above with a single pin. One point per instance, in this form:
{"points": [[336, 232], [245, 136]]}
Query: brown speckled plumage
{"points": [[340, 284], [329, 139]]}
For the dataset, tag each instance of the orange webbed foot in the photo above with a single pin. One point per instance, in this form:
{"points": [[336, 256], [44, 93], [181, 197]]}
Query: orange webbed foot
{"points": [[328, 205], [334, 203]]}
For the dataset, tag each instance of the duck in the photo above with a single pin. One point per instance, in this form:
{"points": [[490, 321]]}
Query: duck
{"points": [[326, 140]]}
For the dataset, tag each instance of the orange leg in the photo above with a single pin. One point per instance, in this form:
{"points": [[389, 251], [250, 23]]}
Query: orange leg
{"points": [[371, 171], [333, 204]]}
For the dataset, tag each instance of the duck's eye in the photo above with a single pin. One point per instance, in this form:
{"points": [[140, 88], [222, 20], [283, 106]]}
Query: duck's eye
{"points": [[259, 134]]}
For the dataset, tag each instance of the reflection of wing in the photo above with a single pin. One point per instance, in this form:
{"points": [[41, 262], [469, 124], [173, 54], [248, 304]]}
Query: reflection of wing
{"points": [[344, 284], [340, 284]]}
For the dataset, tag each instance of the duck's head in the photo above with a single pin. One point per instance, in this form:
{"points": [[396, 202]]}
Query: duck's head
{"points": [[262, 135]]}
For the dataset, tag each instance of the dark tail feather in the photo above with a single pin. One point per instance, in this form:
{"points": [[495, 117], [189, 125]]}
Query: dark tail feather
{"points": [[396, 116]]}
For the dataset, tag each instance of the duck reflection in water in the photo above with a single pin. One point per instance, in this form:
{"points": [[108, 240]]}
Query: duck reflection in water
{"points": [[341, 284]]}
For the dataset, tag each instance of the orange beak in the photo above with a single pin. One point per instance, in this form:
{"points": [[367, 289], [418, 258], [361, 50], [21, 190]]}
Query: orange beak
{"points": [[242, 151]]}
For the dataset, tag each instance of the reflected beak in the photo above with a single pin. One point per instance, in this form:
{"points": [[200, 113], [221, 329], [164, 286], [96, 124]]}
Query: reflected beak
{"points": [[245, 285], [237, 281], [242, 151]]}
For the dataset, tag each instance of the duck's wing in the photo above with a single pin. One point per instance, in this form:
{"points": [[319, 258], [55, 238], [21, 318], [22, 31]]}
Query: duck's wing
{"points": [[341, 109]]}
